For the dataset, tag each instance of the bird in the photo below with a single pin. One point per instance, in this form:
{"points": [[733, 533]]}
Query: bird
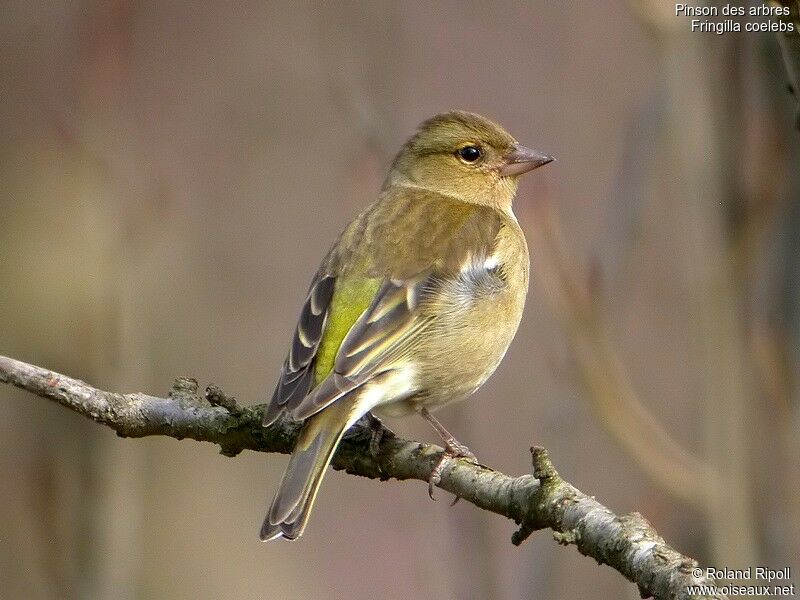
{"points": [[413, 307]]}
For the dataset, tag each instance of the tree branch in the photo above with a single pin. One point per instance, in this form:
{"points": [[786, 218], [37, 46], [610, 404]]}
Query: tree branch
{"points": [[544, 500], [790, 50]]}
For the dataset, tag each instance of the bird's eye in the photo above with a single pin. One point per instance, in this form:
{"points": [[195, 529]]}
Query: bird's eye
{"points": [[470, 154]]}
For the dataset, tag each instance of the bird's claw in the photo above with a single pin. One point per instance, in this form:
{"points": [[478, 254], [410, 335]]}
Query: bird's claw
{"points": [[378, 431], [374, 427], [375, 442], [453, 450]]}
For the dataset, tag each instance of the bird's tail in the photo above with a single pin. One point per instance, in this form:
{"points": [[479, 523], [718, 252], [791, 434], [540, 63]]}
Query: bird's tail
{"points": [[290, 509]]}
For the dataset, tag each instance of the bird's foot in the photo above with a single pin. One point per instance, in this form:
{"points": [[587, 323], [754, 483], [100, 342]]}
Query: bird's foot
{"points": [[452, 449], [377, 431]]}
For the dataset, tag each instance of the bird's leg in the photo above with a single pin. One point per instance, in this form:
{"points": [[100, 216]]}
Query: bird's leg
{"points": [[377, 431], [452, 449]]}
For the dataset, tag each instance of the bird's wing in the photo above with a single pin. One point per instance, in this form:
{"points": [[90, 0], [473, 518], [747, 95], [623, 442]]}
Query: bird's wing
{"points": [[379, 341], [297, 373]]}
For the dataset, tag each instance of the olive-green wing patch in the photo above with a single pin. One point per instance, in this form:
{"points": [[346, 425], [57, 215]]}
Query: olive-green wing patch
{"points": [[353, 295], [382, 337]]}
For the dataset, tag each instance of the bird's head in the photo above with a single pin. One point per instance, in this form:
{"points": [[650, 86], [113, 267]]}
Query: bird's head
{"points": [[465, 155]]}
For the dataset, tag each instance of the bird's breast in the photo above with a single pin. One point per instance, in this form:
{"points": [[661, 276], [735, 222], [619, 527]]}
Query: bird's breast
{"points": [[478, 313]]}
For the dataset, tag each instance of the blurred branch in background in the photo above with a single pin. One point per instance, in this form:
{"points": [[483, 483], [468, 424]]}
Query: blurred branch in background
{"points": [[576, 298], [628, 543], [779, 350], [604, 375], [790, 48], [628, 203], [721, 216], [124, 219], [693, 150]]}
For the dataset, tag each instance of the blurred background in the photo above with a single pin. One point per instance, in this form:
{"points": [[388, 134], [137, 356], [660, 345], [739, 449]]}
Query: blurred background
{"points": [[172, 174]]}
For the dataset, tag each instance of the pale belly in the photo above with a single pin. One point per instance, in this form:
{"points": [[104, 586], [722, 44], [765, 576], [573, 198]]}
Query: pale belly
{"points": [[461, 351]]}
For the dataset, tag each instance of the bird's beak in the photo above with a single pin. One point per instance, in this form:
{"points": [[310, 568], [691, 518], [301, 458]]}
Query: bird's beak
{"points": [[521, 160]]}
